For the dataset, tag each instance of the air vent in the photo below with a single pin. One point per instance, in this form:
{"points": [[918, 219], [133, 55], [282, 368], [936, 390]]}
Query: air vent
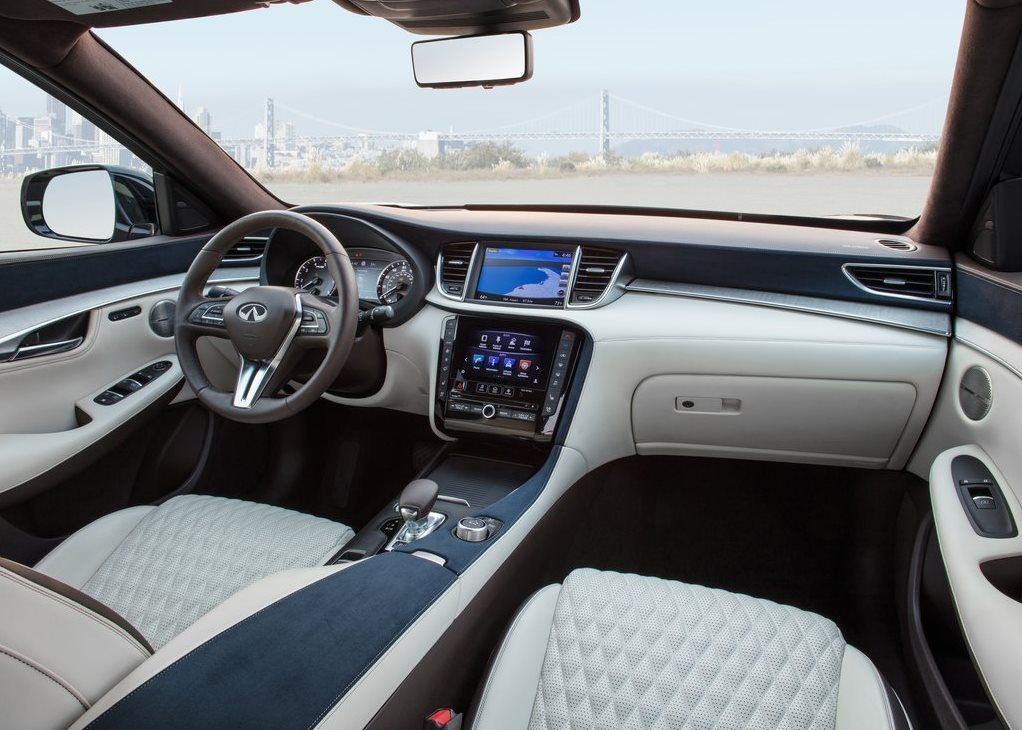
{"points": [[896, 244], [249, 249], [903, 281], [455, 261], [596, 269]]}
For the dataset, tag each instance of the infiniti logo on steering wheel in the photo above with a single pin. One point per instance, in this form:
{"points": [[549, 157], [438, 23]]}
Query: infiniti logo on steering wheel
{"points": [[254, 312]]}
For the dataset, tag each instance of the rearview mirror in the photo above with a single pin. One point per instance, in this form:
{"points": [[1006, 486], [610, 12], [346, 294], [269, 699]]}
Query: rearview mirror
{"points": [[481, 60], [90, 203]]}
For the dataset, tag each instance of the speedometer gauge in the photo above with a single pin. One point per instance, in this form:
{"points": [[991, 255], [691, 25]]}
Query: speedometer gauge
{"points": [[395, 281], [314, 277]]}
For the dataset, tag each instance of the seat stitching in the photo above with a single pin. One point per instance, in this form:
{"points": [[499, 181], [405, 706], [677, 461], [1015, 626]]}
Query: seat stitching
{"points": [[49, 675], [116, 630]]}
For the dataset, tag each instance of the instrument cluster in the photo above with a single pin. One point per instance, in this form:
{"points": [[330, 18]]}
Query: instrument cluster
{"points": [[383, 277]]}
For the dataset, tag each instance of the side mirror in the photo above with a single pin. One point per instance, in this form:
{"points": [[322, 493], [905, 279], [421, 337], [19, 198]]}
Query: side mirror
{"points": [[479, 60], [89, 204]]}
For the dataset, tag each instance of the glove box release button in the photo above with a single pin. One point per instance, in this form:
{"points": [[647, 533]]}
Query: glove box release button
{"points": [[702, 404]]}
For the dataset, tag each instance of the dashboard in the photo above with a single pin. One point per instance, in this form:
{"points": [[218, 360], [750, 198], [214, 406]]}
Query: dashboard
{"points": [[619, 334]]}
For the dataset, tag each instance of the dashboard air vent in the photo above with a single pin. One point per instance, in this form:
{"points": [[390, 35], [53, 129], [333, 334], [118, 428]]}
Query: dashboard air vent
{"points": [[595, 271], [454, 265], [896, 244], [914, 282], [249, 249]]}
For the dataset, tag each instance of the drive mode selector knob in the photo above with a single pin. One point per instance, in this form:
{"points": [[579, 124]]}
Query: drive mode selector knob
{"points": [[471, 529], [489, 410]]}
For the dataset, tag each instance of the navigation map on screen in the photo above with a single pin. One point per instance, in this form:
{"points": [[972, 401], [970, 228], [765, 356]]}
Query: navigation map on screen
{"points": [[525, 276]]}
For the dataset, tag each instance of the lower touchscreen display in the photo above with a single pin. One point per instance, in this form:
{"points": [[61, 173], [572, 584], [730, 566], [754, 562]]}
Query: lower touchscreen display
{"points": [[525, 275], [511, 358]]}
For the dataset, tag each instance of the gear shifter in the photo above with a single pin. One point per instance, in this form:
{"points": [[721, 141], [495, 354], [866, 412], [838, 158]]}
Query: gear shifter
{"points": [[416, 508], [417, 499]]}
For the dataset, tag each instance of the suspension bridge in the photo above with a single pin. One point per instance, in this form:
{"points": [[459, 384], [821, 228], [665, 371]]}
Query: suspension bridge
{"points": [[612, 121]]}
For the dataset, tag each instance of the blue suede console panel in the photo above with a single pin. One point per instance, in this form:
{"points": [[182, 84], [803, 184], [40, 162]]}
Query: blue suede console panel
{"points": [[287, 665], [460, 554]]}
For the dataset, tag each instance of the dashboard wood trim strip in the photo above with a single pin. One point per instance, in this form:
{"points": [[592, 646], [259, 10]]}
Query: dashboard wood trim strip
{"points": [[931, 322]]}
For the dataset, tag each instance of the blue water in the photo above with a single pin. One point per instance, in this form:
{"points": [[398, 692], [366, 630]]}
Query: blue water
{"points": [[502, 280]]}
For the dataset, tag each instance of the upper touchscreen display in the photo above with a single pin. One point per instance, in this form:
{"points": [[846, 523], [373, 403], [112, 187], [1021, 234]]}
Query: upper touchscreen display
{"points": [[525, 276]]}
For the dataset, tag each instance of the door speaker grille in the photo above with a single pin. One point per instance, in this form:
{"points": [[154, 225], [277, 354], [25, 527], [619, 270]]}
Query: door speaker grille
{"points": [[975, 393]]}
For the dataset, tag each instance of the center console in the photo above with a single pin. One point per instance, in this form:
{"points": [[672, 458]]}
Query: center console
{"points": [[504, 376]]}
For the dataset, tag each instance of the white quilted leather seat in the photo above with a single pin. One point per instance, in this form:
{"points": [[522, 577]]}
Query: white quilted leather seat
{"points": [[606, 650], [162, 568]]}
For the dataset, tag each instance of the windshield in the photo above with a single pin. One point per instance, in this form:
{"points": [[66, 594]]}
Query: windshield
{"points": [[797, 108]]}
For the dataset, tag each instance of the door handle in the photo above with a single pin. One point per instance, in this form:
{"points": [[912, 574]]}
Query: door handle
{"points": [[47, 348]]}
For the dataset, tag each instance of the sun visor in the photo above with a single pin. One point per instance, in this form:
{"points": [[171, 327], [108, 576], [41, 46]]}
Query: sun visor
{"points": [[112, 13], [468, 17]]}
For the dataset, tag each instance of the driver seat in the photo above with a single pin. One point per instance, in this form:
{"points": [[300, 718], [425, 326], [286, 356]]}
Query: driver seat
{"points": [[112, 593]]}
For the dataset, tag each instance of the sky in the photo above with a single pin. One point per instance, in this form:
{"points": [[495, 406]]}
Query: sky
{"points": [[786, 64]]}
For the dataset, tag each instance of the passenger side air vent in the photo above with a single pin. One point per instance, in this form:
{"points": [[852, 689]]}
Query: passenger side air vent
{"points": [[914, 282], [596, 269], [249, 249], [896, 245], [455, 260]]}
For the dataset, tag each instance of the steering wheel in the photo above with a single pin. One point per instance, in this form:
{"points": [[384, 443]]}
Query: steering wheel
{"points": [[271, 327]]}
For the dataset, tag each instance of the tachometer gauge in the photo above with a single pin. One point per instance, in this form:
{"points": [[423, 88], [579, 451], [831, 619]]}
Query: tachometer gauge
{"points": [[395, 281], [314, 277]]}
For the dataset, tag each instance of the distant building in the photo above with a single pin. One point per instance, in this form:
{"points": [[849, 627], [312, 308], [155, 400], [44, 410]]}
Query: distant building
{"points": [[26, 126], [57, 113], [204, 120], [88, 131], [42, 131]]}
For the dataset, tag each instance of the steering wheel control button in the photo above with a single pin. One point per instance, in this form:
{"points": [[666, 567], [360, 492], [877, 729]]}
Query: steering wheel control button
{"points": [[313, 322], [489, 410], [472, 529], [212, 313]]}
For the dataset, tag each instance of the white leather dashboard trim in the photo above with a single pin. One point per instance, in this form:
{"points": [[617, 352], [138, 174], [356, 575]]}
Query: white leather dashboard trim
{"points": [[938, 323]]}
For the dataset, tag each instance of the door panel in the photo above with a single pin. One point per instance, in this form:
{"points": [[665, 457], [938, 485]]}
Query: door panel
{"points": [[50, 415], [983, 571]]}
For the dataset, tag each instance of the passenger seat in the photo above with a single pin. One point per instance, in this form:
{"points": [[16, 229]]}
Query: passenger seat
{"points": [[607, 650]]}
